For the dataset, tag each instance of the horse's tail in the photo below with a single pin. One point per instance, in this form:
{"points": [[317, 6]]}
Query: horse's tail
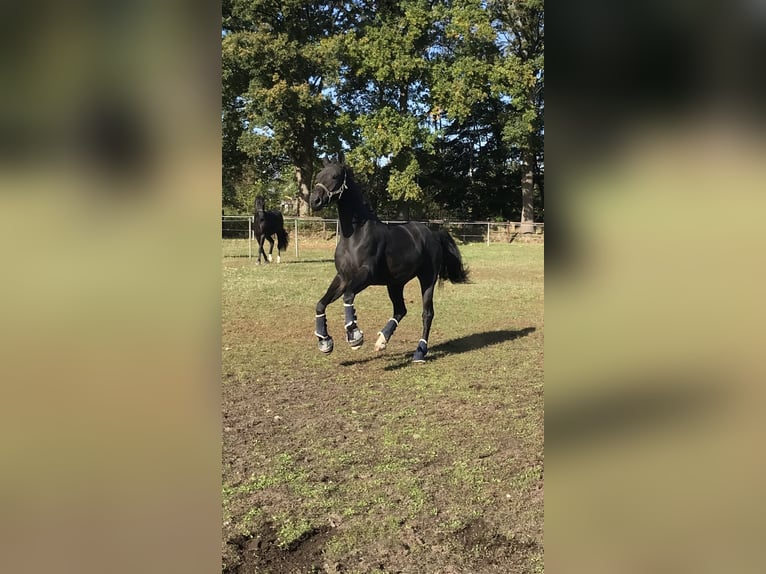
{"points": [[452, 267], [282, 239]]}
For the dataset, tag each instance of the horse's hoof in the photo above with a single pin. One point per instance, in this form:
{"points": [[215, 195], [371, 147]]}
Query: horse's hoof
{"points": [[326, 345], [420, 352], [355, 338], [380, 344]]}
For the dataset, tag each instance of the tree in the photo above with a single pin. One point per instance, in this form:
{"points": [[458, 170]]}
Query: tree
{"points": [[438, 103], [285, 51], [383, 95], [521, 33]]}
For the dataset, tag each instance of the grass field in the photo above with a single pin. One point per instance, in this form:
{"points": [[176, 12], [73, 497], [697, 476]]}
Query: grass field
{"points": [[364, 462]]}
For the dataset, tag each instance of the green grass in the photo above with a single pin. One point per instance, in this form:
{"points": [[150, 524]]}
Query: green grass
{"points": [[384, 453]]}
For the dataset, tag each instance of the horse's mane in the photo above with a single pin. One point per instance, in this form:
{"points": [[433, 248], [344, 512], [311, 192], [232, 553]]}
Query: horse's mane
{"points": [[364, 211]]}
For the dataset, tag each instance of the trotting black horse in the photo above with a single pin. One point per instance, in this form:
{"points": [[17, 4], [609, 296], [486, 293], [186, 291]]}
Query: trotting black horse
{"points": [[266, 225], [374, 253]]}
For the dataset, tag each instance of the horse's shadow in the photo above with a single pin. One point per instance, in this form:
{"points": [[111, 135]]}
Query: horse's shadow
{"points": [[452, 347]]}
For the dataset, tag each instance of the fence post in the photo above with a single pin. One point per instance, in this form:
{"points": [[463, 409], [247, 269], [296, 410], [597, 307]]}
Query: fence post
{"points": [[488, 224], [250, 237], [296, 237], [337, 230]]}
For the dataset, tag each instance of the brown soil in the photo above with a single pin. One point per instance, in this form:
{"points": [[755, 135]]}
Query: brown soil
{"points": [[360, 462]]}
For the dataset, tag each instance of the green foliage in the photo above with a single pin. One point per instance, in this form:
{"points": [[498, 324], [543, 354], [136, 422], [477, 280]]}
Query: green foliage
{"points": [[276, 60], [402, 184], [437, 103]]}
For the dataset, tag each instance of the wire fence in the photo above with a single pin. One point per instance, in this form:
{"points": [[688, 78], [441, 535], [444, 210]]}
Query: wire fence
{"points": [[318, 237], [237, 232]]}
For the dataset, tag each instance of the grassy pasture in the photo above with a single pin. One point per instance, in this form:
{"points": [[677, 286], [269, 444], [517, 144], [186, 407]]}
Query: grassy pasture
{"points": [[364, 462]]}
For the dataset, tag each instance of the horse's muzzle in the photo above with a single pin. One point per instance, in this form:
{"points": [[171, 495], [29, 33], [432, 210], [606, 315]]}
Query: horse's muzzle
{"points": [[315, 201]]}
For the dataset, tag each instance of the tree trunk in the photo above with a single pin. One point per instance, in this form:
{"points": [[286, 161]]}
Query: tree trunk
{"points": [[404, 93], [303, 177], [527, 190]]}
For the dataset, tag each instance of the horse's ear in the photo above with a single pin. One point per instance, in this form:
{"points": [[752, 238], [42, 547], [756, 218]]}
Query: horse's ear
{"points": [[325, 163], [341, 157]]}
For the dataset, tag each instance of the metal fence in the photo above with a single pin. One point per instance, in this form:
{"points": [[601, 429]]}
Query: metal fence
{"points": [[313, 235], [237, 233]]}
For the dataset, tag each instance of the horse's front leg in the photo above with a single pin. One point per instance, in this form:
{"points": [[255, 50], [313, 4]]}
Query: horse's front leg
{"points": [[354, 334], [396, 294], [333, 292], [271, 247], [261, 251]]}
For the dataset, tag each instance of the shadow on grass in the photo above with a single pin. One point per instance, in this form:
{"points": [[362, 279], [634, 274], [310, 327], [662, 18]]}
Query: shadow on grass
{"points": [[451, 347]]}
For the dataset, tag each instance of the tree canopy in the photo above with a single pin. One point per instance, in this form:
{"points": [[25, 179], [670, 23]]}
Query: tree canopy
{"points": [[438, 104]]}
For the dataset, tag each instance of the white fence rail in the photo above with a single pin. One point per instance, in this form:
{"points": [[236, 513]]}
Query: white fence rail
{"points": [[316, 234]]}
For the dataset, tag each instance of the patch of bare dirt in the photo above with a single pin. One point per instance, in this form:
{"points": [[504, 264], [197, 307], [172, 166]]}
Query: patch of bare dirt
{"points": [[261, 553]]}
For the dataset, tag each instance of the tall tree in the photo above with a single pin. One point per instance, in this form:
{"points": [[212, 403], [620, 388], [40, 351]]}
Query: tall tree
{"points": [[285, 52], [521, 36], [383, 96], [463, 104]]}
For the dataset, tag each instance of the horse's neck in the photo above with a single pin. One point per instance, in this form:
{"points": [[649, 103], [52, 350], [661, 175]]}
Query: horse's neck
{"points": [[353, 213]]}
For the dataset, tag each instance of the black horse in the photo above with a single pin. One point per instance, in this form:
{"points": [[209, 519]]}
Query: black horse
{"points": [[374, 253], [267, 224]]}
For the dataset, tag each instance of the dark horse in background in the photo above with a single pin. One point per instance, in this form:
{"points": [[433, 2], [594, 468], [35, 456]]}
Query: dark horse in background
{"points": [[266, 225], [370, 252]]}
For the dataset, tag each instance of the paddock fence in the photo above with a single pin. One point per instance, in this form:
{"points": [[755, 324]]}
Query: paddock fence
{"points": [[310, 236]]}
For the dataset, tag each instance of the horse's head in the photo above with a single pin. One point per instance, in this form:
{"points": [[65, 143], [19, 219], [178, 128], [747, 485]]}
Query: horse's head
{"points": [[260, 203], [330, 184]]}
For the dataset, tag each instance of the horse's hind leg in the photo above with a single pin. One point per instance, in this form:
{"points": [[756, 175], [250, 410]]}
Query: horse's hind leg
{"points": [[427, 289], [354, 334], [396, 294], [333, 292]]}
